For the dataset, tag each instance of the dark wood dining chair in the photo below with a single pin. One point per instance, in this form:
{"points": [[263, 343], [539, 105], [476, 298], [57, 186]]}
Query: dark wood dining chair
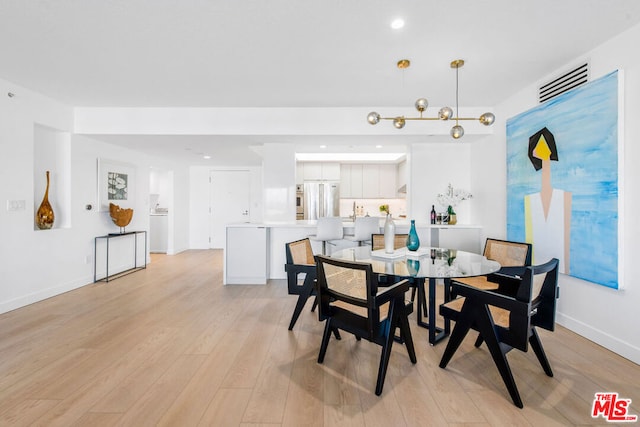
{"points": [[377, 241], [300, 260], [505, 322], [350, 300], [513, 257]]}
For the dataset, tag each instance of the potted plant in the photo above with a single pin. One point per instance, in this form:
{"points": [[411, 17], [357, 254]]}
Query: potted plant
{"points": [[450, 199]]}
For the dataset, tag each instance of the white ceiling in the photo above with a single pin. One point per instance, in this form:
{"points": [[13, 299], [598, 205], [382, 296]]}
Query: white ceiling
{"points": [[283, 53]]}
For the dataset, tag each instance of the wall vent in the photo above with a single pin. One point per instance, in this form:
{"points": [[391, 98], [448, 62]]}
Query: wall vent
{"points": [[564, 83]]}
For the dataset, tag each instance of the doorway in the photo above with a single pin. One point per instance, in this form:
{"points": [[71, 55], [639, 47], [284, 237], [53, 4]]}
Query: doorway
{"points": [[160, 211], [229, 202]]}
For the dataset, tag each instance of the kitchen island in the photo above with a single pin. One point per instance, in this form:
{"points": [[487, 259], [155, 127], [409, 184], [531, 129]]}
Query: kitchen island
{"points": [[254, 252]]}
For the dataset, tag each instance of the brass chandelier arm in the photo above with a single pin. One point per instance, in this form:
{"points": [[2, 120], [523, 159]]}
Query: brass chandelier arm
{"points": [[431, 118], [445, 113], [411, 118]]}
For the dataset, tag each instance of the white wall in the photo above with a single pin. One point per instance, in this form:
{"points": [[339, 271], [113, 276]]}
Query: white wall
{"points": [[37, 264], [601, 314], [432, 168]]}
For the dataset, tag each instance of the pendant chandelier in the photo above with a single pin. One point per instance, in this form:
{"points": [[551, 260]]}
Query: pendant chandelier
{"points": [[445, 113]]}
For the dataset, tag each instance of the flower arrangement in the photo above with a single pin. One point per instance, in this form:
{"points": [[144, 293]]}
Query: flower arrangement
{"points": [[452, 197]]}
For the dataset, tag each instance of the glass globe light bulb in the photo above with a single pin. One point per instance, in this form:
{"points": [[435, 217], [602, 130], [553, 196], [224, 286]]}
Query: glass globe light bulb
{"points": [[373, 118], [399, 122], [445, 113], [457, 131], [487, 119], [421, 104]]}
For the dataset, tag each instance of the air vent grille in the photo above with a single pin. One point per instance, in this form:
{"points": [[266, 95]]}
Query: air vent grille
{"points": [[564, 83]]}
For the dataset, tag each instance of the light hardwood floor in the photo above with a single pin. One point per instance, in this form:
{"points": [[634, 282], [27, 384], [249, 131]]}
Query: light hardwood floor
{"points": [[170, 345]]}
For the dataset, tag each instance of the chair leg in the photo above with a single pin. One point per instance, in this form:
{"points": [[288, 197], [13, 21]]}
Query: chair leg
{"points": [[479, 341], [315, 304], [336, 333], [325, 340], [302, 300], [413, 294], [406, 338], [455, 339], [485, 326], [536, 345], [386, 352]]}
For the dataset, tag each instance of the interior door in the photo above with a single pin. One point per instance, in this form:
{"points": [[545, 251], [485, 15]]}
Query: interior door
{"points": [[229, 202]]}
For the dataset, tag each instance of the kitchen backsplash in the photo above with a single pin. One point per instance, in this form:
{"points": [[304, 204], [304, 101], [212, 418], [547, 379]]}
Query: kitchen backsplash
{"points": [[397, 207]]}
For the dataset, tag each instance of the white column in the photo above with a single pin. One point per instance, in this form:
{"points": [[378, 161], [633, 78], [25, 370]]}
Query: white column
{"points": [[279, 178]]}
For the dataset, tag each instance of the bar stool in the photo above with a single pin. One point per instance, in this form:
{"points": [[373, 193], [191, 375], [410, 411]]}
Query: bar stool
{"points": [[329, 229], [363, 229]]}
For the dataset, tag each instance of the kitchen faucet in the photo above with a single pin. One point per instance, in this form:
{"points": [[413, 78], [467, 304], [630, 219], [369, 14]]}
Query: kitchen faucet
{"points": [[354, 211]]}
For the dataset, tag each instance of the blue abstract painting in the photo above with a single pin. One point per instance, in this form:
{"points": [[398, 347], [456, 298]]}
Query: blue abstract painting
{"points": [[562, 181]]}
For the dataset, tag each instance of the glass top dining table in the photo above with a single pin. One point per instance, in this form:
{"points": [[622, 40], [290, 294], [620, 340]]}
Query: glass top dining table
{"points": [[418, 266]]}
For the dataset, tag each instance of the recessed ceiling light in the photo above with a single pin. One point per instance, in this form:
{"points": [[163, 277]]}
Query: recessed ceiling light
{"points": [[397, 23], [378, 146], [323, 146], [206, 157]]}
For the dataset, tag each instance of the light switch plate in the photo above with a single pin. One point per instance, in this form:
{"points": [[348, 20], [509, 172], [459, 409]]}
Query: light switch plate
{"points": [[16, 205]]}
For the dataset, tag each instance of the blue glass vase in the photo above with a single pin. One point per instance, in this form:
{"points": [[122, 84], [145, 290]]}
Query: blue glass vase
{"points": [[413, 242], [413, 267]]}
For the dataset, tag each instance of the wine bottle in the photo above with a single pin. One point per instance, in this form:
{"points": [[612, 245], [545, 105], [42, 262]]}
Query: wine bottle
{"points": [[433, 214]]}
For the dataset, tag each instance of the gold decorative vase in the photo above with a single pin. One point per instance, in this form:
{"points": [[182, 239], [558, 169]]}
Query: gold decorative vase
{"points": [[44, 215]]}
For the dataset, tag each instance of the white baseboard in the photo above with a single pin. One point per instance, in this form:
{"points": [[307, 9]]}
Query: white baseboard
{"points": [[602, 338], [43, 294]]}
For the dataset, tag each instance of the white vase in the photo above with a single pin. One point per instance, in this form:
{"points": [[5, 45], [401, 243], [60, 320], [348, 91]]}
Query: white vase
{"points": [[389, 235]]}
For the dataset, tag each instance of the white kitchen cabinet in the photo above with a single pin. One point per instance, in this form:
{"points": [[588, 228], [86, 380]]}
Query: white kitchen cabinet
{"points": [[345, 181], [331, 171], [312, 171], [351, 181], [356, 181], [370, 181], [246, 255], [388, 185], [320, 171], [158, 233]]}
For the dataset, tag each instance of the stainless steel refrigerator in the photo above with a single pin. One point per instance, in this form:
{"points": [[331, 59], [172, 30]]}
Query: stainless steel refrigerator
{"points": [[321, 198]]}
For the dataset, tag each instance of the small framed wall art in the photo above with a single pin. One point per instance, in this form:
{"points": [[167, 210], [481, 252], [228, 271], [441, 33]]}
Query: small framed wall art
{"points": [[116, 184]]}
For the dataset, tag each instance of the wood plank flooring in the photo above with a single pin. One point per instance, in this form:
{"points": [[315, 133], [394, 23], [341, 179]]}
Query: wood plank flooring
{"points": [[172, 346]]}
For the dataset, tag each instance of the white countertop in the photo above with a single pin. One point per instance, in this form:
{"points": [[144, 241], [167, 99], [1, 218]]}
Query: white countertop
{"points": [[346, 224]]}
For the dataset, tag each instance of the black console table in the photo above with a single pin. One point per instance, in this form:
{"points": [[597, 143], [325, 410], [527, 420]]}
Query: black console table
{"points": [[136, 266]]}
